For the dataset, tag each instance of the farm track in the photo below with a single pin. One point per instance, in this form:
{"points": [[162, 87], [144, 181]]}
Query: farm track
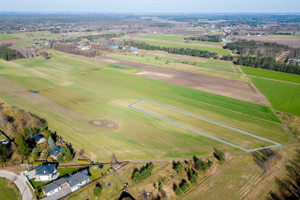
{"points": [[270, 79], [229, 88]]}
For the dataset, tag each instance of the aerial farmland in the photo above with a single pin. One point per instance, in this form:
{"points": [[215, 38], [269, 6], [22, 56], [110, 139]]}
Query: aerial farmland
{"points": [[172, 110]]}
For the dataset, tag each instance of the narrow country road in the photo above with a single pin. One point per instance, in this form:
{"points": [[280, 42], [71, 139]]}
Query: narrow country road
{"points": [[20, 183]]}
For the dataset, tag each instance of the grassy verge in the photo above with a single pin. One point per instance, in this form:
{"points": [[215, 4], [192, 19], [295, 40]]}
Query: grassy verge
{"points": [[9, 190]]}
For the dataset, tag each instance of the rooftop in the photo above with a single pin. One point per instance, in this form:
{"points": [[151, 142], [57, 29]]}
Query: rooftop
{"points": [[55, 151], [45, 169]]}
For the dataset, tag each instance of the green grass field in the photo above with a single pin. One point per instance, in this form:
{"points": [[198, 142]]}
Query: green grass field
{"points": [[75, 90], [283, 96], [2, 37], [210, 67], [271, 74], [8, 190], [225, 134], [202, 48], [31, 37]]}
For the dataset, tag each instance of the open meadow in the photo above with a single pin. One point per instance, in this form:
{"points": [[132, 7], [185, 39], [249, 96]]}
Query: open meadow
{"points": [[72, 91], [281, 89], [205, 66], [3, 37]]}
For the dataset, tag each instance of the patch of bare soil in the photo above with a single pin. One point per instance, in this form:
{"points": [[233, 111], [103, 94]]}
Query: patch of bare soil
{"points": [[291, 41], [110, 60], [105, 123], [6, 41], [229, 88]]}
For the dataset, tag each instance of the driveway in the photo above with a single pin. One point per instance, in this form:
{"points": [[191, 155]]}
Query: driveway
{"points": [[20, 183]]}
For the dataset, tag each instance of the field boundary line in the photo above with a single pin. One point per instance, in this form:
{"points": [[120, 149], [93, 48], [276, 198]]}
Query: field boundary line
{"points": [[201, 133], [270, 79]]}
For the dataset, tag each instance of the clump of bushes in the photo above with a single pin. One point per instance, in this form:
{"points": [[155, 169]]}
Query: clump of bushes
{"points": [[201, 165], [143, 173], [183, 186], [177, 166], [219, 155], [192, 176], [97, 189]]}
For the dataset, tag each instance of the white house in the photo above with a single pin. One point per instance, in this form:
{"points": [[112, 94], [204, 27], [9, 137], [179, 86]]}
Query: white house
{"points": [[79, 179], [46, 172], [66, 185]]}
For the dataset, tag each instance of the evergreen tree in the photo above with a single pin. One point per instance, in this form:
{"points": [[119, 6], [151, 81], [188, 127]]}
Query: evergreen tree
{"points": [[23, 147], [51, 142]]}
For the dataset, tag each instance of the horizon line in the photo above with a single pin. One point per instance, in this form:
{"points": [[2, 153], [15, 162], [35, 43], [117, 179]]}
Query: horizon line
{"points": [[150, 12]]}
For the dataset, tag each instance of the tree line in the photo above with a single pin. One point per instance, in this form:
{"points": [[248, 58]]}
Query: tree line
{"points": [[181, 51], [260, 61], [267, 63], [94, 37], [255, 48], [208, 38], [9, 54]]}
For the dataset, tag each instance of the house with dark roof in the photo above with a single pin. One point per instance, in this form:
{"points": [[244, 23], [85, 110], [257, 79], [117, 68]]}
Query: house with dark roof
{"points": [[46, 172], [79, 179], [39, 138], [64, 186], [55, 186], [55, 152]]}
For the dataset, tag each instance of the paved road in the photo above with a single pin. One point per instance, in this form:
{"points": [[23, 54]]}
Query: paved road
{"points": [[20, 182]]}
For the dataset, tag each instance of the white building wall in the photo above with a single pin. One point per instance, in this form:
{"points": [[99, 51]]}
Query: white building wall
{"points": [[44, 178], [52, 192]]}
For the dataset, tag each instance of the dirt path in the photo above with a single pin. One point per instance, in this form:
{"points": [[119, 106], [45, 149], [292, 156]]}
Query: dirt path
{"points": [[181, 43], [229, 88]]}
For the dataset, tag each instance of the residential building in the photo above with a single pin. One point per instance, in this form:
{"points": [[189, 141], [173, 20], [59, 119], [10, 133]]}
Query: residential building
{"points": [[46, 172], [65, 185], [39, 138], [55, 152]]}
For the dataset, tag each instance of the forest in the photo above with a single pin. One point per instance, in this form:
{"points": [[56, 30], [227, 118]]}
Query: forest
{"points": [[254, 48], [9, 54], [267, 63]]}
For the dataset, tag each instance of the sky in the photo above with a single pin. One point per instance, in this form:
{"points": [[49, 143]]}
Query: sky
{"points": [[154, 6]]}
